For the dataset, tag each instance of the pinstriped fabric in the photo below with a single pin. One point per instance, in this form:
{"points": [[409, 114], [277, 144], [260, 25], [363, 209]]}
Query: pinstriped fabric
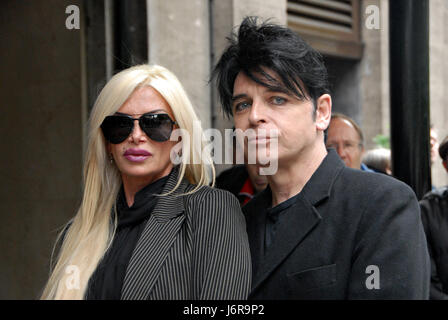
{"points": [[176, 274], [193, 247], [154, 242]]}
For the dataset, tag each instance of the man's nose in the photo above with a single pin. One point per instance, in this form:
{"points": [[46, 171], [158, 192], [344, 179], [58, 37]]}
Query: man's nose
{"points": [[341, 150], [257, 113]]}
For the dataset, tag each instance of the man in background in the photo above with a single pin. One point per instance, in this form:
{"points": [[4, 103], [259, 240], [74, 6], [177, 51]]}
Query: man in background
{"points": [[434, 142], [347, 138], [243, 180], [434, 208]]}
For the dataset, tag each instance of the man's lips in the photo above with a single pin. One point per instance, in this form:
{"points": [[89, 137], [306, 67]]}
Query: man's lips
{"points": [[261, 139], [136, 155]]}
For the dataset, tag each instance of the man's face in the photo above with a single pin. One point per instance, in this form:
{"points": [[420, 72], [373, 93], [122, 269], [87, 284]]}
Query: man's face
{"points": [[257, 107], [259, 182], [345, 139]]}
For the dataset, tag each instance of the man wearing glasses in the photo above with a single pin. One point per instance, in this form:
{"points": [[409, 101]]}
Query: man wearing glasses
{"points": [[346, 137]]}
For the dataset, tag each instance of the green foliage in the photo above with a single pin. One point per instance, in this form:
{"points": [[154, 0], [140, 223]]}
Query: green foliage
{"points": [[382, 141]]}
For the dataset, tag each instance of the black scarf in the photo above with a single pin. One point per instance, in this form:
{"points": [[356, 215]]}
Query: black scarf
{"points": [[107, 280]]}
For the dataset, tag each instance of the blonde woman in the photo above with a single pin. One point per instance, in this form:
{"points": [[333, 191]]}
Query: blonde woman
{"points": [[147, 228]]}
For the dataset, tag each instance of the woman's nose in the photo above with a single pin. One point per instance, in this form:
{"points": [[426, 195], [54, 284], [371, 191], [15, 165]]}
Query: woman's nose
{"points": [[137, 134]]}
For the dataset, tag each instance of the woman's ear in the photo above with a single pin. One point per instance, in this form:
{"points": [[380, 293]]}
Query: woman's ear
{"points": [[323, 112]]}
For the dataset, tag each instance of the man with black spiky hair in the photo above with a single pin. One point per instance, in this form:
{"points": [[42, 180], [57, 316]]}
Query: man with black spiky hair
{"points": [[320, 230]]}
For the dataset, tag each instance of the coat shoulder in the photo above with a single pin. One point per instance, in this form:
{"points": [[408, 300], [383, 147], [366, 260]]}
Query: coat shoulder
{"points": [[440, 193], [211, 200], [434, 206], [372, 183], [374, 197], [206, 193]]}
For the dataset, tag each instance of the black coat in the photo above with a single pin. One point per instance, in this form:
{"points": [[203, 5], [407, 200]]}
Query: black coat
{"points": [[434, 207], [344, 222], [193, 247], [233, 180]]}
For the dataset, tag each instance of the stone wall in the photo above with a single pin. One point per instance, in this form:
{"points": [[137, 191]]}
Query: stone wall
{"points": [[41, 129], [226, 16], [374, 69], [179, 39]]}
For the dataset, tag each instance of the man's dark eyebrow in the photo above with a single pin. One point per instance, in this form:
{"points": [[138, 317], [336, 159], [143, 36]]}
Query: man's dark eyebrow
{"points": [[239, 96], [269, 89]]}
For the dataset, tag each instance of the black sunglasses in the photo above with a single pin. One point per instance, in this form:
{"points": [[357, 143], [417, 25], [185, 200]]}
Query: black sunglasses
{"points": [[157, 126]]}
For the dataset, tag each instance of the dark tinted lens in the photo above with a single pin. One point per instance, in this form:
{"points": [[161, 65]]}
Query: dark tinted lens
{"points": [[117, 128], [158, 127]]}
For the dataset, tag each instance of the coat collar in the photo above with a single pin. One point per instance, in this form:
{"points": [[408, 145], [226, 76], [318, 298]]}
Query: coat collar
{"points": [[155, 241], [172, 205], [296, 224], [319, 186]]}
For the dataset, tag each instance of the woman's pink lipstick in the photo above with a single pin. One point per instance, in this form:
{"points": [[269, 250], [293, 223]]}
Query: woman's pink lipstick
{"points": [[136, 155]]}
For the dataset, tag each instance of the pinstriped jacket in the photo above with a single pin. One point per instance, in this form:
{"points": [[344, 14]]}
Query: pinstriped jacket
{"points": [[193, 247]]}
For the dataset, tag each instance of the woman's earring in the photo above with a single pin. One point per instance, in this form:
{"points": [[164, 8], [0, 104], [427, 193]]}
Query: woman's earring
{"points": [[111, 158]]}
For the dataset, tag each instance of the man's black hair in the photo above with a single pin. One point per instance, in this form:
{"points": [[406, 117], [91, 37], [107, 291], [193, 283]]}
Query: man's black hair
{"points": [[443, 149], [258, 48]]}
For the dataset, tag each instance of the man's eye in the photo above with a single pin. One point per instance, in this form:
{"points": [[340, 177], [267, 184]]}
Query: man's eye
{"points": [[349, 145], [241, 106], [278, 100]]}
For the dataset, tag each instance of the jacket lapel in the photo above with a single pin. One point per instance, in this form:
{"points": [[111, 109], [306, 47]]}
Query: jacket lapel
{"points": [[256, 225], [295, 225], [155, 241]]}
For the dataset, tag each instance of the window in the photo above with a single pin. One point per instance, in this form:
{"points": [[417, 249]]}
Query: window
{"points": [[330, 26]]}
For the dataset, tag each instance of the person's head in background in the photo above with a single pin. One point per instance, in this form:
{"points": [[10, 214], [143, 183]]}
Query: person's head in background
{"points": [[443, 152], [259, 182], [346, 137], [434, 144], [379, 160]]}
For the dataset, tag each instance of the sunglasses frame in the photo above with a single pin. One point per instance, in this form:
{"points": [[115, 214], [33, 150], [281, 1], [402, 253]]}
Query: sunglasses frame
{"points": [[132, 120]]}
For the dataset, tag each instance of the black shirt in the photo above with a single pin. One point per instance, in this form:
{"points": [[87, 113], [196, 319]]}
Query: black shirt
{"points": [[107, 280], [272, 214]]}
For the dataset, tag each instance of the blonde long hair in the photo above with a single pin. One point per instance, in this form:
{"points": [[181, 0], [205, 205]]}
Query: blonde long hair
{"points": [[92, 229]]}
